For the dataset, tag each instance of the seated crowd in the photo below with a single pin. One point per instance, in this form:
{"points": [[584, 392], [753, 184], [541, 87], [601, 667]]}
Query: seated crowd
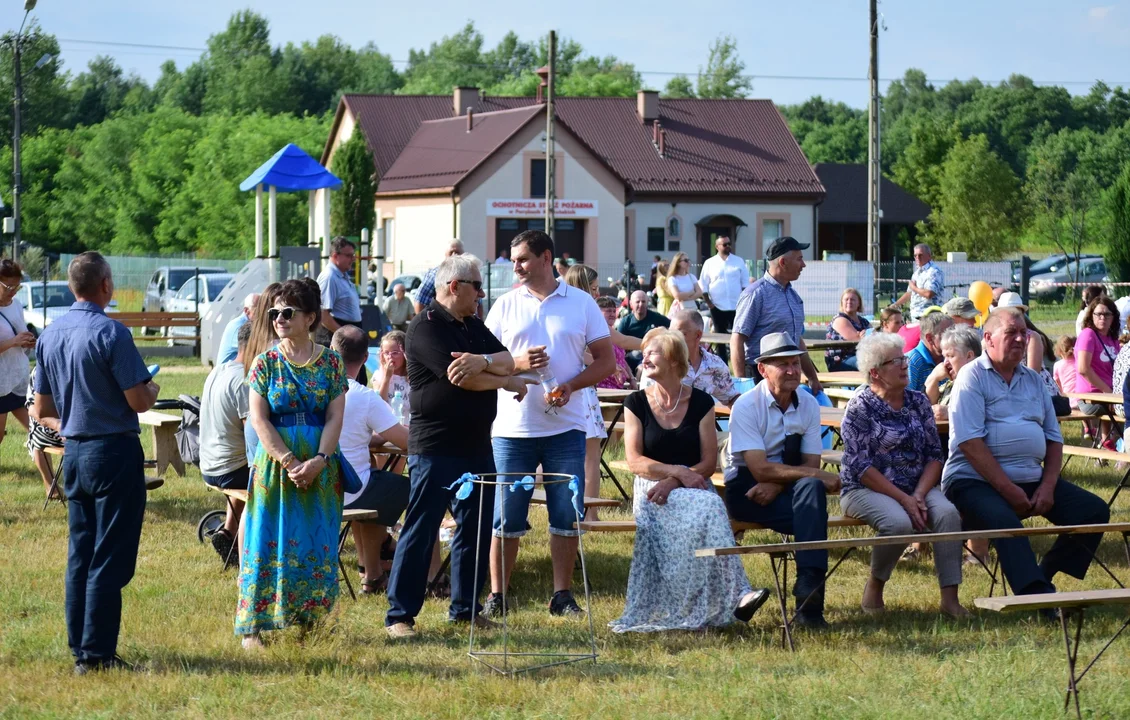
{"points": [[958, 430]]}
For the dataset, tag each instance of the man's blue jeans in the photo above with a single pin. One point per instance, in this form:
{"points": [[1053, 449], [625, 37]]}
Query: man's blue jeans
{"points": [[104, 480], [428, 501], [563, 453]]}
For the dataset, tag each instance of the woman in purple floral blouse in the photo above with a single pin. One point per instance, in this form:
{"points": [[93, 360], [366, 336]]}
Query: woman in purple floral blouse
{"points": [[891, 467]]}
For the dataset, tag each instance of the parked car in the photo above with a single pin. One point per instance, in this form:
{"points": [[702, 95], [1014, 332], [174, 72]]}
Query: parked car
{"points": [[206, 288], [59, 301], [165, 284], [1050, 264], [1088, 271]]}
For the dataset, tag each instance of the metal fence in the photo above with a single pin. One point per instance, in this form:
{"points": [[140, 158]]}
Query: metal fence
{"points": [[134, 273]]}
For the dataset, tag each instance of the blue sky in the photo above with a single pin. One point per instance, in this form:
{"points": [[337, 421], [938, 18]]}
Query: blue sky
{"points": [[1047, 40]]}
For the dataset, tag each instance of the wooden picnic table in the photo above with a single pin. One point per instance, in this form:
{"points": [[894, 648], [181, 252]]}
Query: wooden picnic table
{"points": [[819, 344], [1099, 398], [841, 378], [713, 338], [166, 452], [612, 395]]}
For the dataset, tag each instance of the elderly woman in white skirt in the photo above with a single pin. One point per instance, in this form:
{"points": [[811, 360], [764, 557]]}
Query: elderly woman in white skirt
{"points": [[891, 468], [672, 447]]}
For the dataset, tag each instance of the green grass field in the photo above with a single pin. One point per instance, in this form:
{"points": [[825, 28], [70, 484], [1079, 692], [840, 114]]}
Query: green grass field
{"points": [[178, 627]]}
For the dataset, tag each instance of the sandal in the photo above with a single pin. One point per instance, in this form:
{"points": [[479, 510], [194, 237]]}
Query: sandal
{"points": [[375, 587]]}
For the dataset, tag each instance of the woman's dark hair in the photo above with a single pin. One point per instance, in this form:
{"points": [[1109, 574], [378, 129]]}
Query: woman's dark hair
{"points": [[1049, 350], [605, 301], [303, 295], [1090, 293], [10, 269], [1089, 319], [262, 330]]}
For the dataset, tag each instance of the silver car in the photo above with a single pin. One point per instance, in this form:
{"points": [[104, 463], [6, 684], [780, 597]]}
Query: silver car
{"points": [[1087, 271]]}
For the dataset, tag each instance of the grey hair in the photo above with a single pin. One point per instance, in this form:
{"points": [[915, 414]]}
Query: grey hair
{"points": [[963, 338], [691, 316], [86, 273], [924, 246], [930, 324], [456, 267], [871, 351]]}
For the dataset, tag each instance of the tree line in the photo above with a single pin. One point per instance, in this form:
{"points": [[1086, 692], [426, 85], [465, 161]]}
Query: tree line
{"points": [[114, 163]]}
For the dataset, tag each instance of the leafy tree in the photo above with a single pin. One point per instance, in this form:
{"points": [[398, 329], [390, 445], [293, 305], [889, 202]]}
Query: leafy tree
{"points": [[242, 68], [353, 209], [601, 77], [102, 91], [375, 72], [919, 166], [978, 203], [1060, 195], [723, 76], [679, 87], [1118, 246], [455, 60]]}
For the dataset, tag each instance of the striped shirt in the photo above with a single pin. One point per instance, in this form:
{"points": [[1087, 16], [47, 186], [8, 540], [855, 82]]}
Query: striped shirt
{"points": [[767, 307]]}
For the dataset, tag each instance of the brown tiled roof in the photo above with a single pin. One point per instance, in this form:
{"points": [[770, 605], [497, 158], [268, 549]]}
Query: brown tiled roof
{"points": [[846, 201], [712, 146], [442, 152]]}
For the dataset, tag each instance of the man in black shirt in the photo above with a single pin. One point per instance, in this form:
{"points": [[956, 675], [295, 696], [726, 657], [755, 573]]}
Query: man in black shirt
{"points": [[455, 365]]}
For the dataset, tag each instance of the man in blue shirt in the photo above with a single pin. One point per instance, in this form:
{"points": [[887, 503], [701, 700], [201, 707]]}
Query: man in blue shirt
{"points": [[928, 353], [91, 377], [341, 305], [229, 344]]}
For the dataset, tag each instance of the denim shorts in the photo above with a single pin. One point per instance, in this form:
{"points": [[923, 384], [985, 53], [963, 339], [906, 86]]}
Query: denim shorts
{"points": [[234, 480], [564, 454]]}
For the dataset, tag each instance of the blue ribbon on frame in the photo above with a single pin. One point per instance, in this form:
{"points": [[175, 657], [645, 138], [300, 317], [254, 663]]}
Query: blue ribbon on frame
{"points": [[526, 483], [466, 483]]}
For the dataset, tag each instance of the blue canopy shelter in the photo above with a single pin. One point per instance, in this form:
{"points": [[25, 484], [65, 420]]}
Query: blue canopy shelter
{"points": [[290, 170]]}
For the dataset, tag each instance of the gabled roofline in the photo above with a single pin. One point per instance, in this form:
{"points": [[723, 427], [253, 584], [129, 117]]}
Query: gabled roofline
{"points": [[342, 106]]}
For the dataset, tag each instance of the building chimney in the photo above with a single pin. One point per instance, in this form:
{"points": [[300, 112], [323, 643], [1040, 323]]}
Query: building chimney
{"points": [[647, 105], [463, 97], [662, 143], [470, 118], [655, 132]]}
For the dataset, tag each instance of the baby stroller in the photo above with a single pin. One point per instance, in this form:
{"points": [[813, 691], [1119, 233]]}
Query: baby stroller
{"points": [[188, 442]]}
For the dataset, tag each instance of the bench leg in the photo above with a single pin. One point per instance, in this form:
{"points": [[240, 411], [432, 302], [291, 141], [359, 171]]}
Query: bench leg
{"points": [[235, 544], [778, 561], [56, 473], [1121, 484], [612, 476], [827, 575], [340, 562], [1072, 650]]}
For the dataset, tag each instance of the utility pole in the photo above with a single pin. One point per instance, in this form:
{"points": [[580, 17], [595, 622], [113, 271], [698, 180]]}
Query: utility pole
{"points": [[874, 172], [17, 171], [550, 160]]}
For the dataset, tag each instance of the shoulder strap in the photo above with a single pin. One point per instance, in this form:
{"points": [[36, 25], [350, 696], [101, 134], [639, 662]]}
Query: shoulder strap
{"points": [[9, 321]]}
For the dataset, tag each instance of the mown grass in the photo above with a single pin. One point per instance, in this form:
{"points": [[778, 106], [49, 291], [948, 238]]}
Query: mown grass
{"points": [[178, 627]]}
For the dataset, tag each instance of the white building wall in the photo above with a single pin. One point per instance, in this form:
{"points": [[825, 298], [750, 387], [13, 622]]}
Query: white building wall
{"points": [[345, 131], [578, 184], [422, 234], [650, 214]]}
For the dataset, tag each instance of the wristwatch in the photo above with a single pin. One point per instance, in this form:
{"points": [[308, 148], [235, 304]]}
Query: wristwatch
{"points": [[489, 359], [325, 457]]}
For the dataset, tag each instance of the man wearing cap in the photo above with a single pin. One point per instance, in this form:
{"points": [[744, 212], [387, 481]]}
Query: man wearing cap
{"points": [[926, 284], [962, 311], [771, 305], [774, 478], [928, 352], [723, 277]]}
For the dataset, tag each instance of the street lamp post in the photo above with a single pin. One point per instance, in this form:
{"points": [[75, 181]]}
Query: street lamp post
{"points": [[17, 174]]}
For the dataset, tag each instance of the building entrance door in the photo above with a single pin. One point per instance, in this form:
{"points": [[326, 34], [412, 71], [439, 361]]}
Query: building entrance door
{"points": [[569, 235], [707, 236]]}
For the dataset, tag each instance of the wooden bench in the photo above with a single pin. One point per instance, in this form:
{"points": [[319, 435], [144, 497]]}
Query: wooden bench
{"points": [[537, 497], [163, 320], [166, 451], [778, 553], [1069, 604], [1102, 454]]}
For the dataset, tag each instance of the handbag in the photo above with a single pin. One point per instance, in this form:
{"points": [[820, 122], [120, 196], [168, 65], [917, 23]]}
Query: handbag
{"points": [[1062, 405]]}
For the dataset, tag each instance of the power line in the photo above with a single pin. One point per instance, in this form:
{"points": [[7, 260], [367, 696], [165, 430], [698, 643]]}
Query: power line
{"points": [[664, 73]]}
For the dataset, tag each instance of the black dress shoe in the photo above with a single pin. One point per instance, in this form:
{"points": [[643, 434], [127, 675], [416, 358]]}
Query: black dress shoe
{"points": [[810, 586], [83, 667], [811, 620], [750, 604]]}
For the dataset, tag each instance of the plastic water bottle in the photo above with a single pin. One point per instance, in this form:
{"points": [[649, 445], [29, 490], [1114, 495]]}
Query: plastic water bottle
{"points": [[397, 405], [548, 387]]}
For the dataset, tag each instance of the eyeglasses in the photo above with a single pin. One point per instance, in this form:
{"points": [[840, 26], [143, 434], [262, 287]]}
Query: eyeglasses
{"points": [[727, 244], [902, 360], [1098, 314], [11, 288], [477, 284], [286, 313]]}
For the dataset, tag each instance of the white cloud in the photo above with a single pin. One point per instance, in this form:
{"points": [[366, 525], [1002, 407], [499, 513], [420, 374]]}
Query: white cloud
{"points": [[1100, 12]]}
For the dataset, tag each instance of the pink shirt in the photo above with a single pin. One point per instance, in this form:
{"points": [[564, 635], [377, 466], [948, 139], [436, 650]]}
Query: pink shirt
{"points": [[1104, 351], [911, 335], [623, 372], [1065, 374]]}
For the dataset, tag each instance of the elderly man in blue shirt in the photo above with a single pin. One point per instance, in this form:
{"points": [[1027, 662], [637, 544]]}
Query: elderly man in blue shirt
{"points": [[1005, 456], [926, 284], [771, 305], [341, 305], [91, 377], [926, 355]]}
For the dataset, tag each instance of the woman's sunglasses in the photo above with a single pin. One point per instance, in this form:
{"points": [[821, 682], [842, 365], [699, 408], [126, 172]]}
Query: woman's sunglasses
{"points": [[287, 313]]}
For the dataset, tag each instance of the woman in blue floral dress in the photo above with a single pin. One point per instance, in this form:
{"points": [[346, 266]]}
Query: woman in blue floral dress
{"points": [[297, 401]]}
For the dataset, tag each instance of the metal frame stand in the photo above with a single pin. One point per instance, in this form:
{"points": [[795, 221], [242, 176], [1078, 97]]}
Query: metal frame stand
{"points": [[1072, 651], [490, 659]]}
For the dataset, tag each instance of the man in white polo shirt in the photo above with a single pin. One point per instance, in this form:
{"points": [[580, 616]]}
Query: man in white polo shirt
{"points": [[547, 326], [369, 422], [723, 277], [774, 477]]}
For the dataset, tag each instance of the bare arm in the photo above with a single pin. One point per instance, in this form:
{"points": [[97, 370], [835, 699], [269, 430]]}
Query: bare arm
{"points": [[603, 365], [1035, 359], [624, 342], [44, 411], [1086, 369], [781, 474], [809, 368], [142, 396], [902, 300], [737, 354], [260, 418], [466, 365], [396, 435], [691, 294], [845, 329], [934, 383]]}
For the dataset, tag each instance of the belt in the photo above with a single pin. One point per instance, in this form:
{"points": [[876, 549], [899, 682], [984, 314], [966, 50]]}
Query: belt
{"points": [[301, 418]]}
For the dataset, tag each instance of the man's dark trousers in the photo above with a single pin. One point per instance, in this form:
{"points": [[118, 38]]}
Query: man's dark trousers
{"points": [[104, 480], [801, 510], [431, 475], [983, 508], [723, 321]]}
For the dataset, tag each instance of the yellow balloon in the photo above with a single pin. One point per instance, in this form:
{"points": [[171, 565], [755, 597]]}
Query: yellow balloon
{"points": [[981, 295]]}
